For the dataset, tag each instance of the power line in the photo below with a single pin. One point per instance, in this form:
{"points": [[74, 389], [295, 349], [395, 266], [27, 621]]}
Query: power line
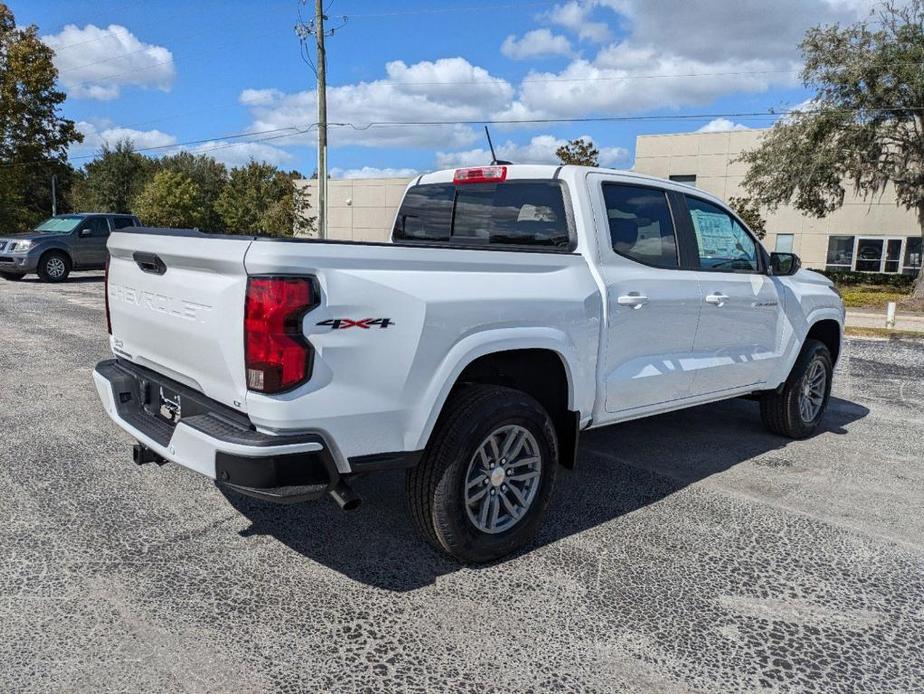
{"points": [[441, 10], [291, 131]]}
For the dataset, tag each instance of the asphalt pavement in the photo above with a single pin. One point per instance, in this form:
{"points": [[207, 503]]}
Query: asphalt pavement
{"points": [[688, 552]]}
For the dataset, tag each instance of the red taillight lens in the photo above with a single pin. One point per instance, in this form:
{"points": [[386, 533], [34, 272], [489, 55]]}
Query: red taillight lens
{"points": [[106, 294], [480, 174], [276, 353]]}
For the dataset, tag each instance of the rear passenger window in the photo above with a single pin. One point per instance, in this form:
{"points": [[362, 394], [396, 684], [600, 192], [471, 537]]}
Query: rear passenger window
{"points": [[640, 224], [121, 222], [517, 213]]}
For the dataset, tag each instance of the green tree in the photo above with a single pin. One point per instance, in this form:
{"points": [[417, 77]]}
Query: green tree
{"points": [[865, 127], [113, 179], [33, 136], [580, 151], [749, 211], [259, 198], [207, 173], [170, 199]]}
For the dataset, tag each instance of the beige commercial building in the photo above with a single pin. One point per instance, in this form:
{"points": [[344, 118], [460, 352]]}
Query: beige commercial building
{"points": [[872, 235], [867, 235]]}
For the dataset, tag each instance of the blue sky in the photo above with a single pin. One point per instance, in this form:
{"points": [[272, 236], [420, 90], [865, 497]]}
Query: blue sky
{"points": [[166, 73]]}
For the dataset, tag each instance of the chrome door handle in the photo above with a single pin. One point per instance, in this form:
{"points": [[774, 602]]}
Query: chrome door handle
{"points": [[633, 299], [717, 299]]}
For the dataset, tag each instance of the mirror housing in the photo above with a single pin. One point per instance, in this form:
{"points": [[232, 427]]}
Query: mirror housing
{"points": [[83, 233], [784, 264]]}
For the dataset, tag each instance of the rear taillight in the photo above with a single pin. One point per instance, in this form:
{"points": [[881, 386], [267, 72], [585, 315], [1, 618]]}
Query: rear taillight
{"points": [[106, 294], [480, 174], [276, 353]]}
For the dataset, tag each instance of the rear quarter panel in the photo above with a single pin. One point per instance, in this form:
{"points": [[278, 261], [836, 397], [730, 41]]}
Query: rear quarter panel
{"points": [[379, 389]]}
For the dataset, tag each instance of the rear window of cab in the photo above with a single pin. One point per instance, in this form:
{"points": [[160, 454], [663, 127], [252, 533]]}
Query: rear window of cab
{"points": [[509, 213]]}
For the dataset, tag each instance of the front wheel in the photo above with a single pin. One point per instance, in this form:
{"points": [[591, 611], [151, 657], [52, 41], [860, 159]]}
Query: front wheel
{"points": [[797, 409], [483, 485], [54, 266]]}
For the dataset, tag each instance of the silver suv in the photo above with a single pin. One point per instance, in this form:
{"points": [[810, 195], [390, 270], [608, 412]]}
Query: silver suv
{"points": [[61, 244]]}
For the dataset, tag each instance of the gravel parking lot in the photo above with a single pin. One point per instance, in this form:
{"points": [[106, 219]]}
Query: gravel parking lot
{"points": [[689, 552]]}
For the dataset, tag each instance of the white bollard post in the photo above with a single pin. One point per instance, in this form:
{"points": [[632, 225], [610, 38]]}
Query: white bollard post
{"points": [[890, 315]]}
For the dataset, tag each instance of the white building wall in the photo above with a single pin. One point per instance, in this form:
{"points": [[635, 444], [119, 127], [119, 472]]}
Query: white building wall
{"points": [[361, 209]]}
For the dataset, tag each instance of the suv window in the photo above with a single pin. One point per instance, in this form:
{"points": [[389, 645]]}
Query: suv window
{"points": [[98, 226], [640, 224], [121, 222], [519, 213], [724, 245]]}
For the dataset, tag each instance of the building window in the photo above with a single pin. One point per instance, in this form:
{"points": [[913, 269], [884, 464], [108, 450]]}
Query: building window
{"points": [[912, 255], [689, 179], [840, 253], [784, 243]]}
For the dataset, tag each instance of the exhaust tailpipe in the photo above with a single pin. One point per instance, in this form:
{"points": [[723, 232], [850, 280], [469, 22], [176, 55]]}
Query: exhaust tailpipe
{"points": [[346, 498]]}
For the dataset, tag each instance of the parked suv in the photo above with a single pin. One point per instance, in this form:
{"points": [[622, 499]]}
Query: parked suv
{"points": [[60, 244]]}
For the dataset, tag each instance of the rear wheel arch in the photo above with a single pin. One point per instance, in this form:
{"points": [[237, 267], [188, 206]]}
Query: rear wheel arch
{"points": [[543, 374]]}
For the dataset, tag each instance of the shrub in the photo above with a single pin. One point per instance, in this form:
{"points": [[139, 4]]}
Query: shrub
{"points": [[845, 278]]}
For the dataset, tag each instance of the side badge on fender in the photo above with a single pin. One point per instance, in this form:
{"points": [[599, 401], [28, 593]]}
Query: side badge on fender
{"points": [[364, 323]]}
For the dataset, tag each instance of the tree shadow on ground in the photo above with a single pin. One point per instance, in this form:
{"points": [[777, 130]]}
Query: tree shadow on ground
{"points": [[621, 468]]}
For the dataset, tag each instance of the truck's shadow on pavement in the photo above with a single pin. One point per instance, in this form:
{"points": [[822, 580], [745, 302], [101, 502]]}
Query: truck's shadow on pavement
{"points": [[620, 469]]}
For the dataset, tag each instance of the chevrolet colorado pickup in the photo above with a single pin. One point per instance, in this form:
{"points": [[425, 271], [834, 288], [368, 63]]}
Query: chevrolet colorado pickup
{"points": [[515, 307]]}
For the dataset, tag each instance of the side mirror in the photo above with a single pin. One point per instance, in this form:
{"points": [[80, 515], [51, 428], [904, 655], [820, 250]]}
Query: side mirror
{"points": [[783, 264], [83, 233]]}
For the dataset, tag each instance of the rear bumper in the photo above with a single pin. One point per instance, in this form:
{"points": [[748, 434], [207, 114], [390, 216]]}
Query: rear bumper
{"points": [[215, 440]]}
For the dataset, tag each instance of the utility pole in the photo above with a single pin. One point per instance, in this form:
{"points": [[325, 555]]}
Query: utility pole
{"points": [[54, 195], [322, 117]]}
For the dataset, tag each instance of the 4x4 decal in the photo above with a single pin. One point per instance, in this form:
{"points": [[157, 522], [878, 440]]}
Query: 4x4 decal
{"points": [[364, 323]]}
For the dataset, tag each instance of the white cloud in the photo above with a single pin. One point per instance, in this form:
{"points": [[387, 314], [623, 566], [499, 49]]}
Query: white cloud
{"points": [[239, 153], [98, 134], [259, 97], [575, 16], [232, 153], [96, 63], [449, 89], [539, 150], [721, 125], [535, 44], [373, 172]]}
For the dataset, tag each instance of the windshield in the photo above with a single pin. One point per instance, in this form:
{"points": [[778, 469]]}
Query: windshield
{"points": [[59, 225]]}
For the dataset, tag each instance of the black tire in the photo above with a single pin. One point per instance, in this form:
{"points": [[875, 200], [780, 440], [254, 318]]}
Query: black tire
{"points": [[48, 267], [11, 276], [436, 487], [780, 411]]}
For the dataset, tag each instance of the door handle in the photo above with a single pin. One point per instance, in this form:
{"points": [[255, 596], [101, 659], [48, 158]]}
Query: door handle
{"points": [[717, 299], [633, 299]]}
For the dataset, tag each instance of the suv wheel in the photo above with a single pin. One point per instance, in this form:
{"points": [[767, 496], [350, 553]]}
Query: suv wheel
{"points": [[54, 266], [11, 276], [484, 483], [797, 409]]}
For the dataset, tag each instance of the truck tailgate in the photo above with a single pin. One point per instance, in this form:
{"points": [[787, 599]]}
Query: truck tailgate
{"points": [[176, 303]]}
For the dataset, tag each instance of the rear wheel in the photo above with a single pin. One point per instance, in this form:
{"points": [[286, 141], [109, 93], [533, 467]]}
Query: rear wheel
{"points": [[11, 276], [798, 408], [54, 266], [485, 481]]}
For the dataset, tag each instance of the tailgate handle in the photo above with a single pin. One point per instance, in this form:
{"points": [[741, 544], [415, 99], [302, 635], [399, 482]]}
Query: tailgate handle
{"points": [[149, 262]]}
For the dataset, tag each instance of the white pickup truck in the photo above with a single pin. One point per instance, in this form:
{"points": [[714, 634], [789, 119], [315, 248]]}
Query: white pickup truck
{"points": [[515, 307]]}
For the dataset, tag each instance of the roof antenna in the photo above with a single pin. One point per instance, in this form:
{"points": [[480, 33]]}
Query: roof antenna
{"points": [[494, 159]]}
